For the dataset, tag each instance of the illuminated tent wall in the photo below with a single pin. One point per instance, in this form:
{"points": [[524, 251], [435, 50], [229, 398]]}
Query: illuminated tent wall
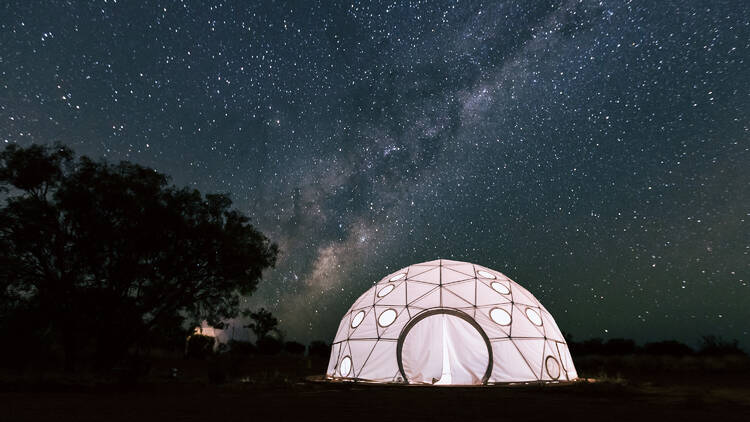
{"points": [[449, 322]]}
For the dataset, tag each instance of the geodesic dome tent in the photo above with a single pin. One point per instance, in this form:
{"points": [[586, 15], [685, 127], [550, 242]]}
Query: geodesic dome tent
{"points": [[449, 322]]}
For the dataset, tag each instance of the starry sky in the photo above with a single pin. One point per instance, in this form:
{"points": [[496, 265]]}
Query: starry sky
{"points": [[596, 152]]}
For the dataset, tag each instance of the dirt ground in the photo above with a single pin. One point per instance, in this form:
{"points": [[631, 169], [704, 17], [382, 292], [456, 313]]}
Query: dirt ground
{"points": [[271, 394]]}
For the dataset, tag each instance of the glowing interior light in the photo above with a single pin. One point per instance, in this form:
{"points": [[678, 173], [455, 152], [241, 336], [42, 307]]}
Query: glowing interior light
{"points": [[553, 368], [387, 317], [533, 316], [358, 319], [346, 366], [445, 377], [385, 290], [485, 274], [397, 277], [500, 288], [500, 316]]}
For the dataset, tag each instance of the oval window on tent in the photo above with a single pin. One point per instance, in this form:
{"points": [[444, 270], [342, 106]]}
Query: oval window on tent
{"points": [[533, 316], [397, 277], [358, 319], [500, 288], [387, 317], [553, 368], [500, 316], [485, 274], [346, 366], [385, 290]]}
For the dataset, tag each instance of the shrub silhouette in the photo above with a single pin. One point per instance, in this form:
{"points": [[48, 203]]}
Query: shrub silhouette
{"points": [[294, 348], [716, 346], [200, 346], [667, 348], [238, 347], [619, 346], [269, 345], [319, 349]]}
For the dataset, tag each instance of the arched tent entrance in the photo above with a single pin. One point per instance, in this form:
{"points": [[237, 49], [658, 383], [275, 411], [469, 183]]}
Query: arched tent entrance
{"points": [[444, 347]]}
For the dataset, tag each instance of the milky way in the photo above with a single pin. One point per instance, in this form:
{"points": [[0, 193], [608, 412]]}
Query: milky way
{"points": [[595, 152]]}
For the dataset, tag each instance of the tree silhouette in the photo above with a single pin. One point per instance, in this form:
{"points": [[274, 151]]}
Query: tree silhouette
{"points": [[114, 253], [262, 322]]}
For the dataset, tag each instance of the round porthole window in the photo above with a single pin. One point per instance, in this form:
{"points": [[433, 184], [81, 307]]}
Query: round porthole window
{"points": [[553, 368], [397, 277], [500, 288], [346, 366], [533, 316], [358, 319], [500, 316], [485, 274], [385, 290], [387, 317]]}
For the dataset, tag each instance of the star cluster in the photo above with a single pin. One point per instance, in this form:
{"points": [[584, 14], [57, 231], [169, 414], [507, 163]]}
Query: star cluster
{"points": [[594, 151]]}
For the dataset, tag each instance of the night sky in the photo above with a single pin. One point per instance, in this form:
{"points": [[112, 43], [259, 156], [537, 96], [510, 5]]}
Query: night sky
{"points": [[595, 152]]}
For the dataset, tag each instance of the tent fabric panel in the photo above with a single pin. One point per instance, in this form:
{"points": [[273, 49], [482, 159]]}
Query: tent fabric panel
{"points": [[522, 326], [466, 290], [415, 290], [397, 296], [497, 274], [394, 330], [431, 275], [550, 327], [467, 351], [453, 262], [551, 352], [508, 364], [452, 300], [486, 295], [343, 351], [464, 268], [532, 351], [382, 364], [422, 352], [447, 275], [333, 360], [566, 361], [342, 332], [361, 350], [435, 262], [387, 279], [521, 295], [366, 299], [429, 300], [367, 328], [490, 327], [444, 348]]}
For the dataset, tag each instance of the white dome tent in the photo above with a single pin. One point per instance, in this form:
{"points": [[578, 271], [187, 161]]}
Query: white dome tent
{"points": [[449, 322]]}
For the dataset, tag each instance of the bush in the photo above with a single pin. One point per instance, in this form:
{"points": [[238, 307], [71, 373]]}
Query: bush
{"points": [[294, 348], [619, 346], [238, 347], [319, 349], [716, 346], [667, 348], [199, 346], [269, 345]]}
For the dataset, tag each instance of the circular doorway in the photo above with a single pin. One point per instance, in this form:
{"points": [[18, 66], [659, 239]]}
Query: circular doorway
{"points": [[444, 346]]}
